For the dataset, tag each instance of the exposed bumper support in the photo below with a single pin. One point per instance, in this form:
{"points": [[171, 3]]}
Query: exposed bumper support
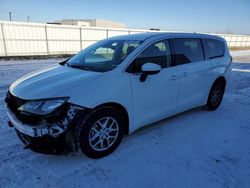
{"points": [[44, 128]]}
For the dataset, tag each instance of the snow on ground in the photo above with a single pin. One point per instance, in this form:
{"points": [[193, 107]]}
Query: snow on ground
{"points": [[197, 148]]}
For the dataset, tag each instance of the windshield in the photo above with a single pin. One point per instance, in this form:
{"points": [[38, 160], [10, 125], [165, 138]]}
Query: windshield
{"points": [[104, 55]]}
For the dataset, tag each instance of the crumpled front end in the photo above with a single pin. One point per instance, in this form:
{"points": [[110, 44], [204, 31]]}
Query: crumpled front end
{"points": [[43, 127], [50, 132]]}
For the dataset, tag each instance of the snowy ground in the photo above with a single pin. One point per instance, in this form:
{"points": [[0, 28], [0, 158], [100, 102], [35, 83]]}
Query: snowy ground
{"points": [[194, 149]]}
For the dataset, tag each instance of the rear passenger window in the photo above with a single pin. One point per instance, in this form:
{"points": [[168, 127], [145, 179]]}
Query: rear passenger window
{"points": [[213, 48], [187, 51]]}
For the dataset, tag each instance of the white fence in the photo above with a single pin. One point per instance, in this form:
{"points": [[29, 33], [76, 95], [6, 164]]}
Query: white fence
{"points": [[25, 39]]}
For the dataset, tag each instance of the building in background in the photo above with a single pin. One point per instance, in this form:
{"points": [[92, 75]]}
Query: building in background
{"points": [[91, 23]]}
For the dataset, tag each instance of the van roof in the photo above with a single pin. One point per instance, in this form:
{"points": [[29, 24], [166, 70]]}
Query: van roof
{"points": [[145, 36]]}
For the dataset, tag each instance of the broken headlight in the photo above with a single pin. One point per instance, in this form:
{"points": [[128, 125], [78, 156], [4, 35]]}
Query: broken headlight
{"points": [[43, 106]]}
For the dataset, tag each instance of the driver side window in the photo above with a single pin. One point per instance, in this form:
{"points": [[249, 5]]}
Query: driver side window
{"points": [[158, 53]]}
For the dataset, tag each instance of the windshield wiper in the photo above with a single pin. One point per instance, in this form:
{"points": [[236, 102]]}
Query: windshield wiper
{"points": [[80, 67]]}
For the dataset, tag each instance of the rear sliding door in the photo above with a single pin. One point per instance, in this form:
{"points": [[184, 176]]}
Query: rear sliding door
{"points": [[195, 72]]}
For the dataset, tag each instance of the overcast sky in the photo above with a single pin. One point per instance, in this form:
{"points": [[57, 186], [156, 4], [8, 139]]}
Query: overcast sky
{"points": [[224, 16]]}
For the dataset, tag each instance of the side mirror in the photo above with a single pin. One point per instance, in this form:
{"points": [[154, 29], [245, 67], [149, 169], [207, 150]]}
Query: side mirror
{"points": [[149, 69]]}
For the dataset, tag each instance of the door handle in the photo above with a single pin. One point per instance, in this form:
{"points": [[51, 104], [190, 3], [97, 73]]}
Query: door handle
{"points": [[173, 77]]}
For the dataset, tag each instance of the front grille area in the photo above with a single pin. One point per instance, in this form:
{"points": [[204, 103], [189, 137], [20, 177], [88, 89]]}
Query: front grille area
{"points": [[14, 103]]}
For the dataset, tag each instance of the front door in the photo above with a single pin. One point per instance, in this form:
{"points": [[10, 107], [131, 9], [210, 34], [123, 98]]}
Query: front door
{"points": [[156, 97]]}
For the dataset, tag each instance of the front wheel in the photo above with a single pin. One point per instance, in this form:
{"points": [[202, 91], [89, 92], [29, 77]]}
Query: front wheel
{"points": [[101, 133], [216, 95]]}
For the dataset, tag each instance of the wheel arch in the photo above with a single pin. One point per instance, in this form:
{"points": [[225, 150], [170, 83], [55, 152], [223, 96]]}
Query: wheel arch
{"points": [[208, 102], [220, 78], [121, 109]]}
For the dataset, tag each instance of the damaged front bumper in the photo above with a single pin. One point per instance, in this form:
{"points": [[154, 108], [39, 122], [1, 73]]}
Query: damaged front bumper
{"points": [[44, 128], [53, 133]]}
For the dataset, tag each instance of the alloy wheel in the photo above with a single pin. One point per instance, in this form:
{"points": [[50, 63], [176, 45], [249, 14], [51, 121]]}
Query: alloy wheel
{"points": [[103, 133]]}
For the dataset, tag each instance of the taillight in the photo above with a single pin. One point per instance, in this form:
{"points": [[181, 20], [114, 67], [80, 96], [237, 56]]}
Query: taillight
{"points": [[229, 68]]}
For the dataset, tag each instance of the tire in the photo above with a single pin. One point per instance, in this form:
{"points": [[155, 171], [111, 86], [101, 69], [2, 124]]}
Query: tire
{"points": [[216, 95], [100, 133]]}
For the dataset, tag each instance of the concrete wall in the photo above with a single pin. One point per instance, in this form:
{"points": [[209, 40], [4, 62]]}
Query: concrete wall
{"points": [[26, 39]]}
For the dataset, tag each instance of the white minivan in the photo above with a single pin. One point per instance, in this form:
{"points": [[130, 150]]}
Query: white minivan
{"points": [[114, 87]]}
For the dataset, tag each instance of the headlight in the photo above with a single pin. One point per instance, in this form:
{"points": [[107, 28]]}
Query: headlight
{"points": [[43, 106]]}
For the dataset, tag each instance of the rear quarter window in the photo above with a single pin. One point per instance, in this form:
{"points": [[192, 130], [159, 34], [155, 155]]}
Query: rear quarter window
{"points": [[213, 48]]}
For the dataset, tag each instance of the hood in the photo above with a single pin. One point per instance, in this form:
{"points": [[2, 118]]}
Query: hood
{"points": [[50, 82]]}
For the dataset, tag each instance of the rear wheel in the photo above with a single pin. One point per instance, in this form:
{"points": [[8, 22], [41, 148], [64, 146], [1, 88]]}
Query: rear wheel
{"points": [[216, 95], [101, 133]]}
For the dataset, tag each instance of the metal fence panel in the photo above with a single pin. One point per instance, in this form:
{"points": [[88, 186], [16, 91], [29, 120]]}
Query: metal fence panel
{"points": [[63, 40], [19, 48], [2, 49], [112, 33], [26, 39], [91, 35]]}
